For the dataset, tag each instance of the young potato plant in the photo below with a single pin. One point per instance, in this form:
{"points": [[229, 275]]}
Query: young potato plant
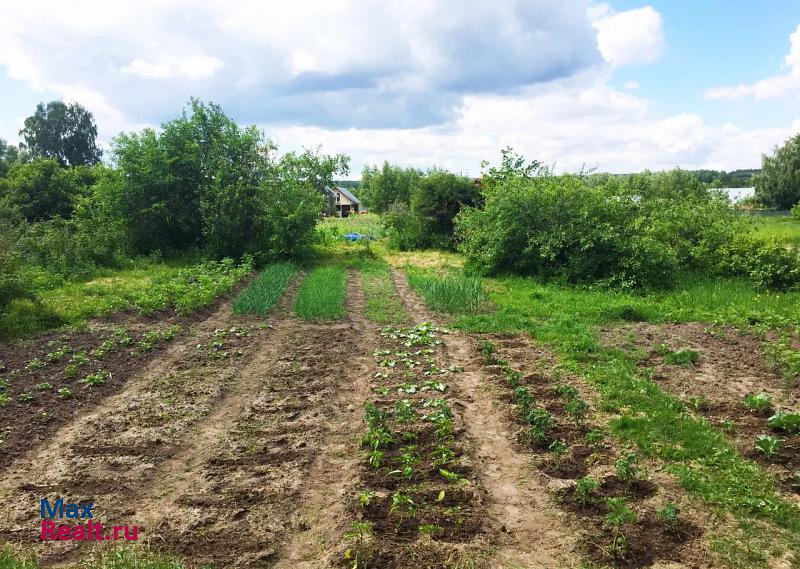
{"points": [[487, 352], [577, 409], [584, 490], [44, 386], [404, 411], [668, 515], [103, 349], [5, 399], [58, 354], [95, 379], [626, 468], [64, 393], [513, 377], [35, 365]]}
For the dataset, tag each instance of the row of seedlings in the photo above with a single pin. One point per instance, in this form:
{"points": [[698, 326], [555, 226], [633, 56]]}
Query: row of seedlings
{"points": [[418, 500], [608, 489]]}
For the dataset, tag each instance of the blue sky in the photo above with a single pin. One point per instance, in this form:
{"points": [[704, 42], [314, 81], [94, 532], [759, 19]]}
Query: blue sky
{"points": [[618, 86]]}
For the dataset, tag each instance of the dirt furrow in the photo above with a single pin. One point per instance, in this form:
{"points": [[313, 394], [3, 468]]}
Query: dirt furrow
{"points": [[321, 519], [526, 529], [110, 457], [274, 478]]}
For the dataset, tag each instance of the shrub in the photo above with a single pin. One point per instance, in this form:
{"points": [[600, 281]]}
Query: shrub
{"points": [[770, 265]]}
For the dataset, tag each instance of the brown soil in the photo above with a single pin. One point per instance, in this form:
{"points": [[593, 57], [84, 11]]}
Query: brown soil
{"points": [[731, 364], [524, 527]]}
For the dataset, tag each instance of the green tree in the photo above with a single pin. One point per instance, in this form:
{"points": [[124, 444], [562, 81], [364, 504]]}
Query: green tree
{"points": [[381, 187], [41, 189], [437, 199], [778, 185], [66, 133], [314, 169]]}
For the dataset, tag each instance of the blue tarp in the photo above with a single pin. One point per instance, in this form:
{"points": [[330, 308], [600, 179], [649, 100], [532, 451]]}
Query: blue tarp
{"points": [[356, 236]]}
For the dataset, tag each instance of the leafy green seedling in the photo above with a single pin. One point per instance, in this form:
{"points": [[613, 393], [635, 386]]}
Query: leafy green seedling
{"points": [[768, 445], [578, 409], [787, 422], [618, 515], [44, 386], [95, 379], [64, 393], [450, 476], [26, 397], [699, 404], [669, 515], [566, 391], [760, 403], [584, 489], [513, 376], [366, 498], [430, 530], [35, 364], [5, 399], [359, 552], [404, 411], [626, 467], [403, 504], [487, 352]]}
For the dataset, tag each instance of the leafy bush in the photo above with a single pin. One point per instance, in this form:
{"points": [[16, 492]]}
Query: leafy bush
{"points": [[796, 212], [769, 264]]}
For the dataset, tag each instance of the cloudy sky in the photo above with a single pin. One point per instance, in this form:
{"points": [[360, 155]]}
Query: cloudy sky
{"points": [[617, 86]]}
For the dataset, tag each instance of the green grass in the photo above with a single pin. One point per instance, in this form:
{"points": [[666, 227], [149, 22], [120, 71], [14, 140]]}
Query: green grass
{"points": [[147, 289], [120, 557], [383, 303], [707, 465], [322, 294], [451, 292], [782, 228], [365, 224], [262, 294]]}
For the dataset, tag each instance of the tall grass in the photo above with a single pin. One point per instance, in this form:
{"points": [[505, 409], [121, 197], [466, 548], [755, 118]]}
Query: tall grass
{"points": [[451, 292], [322, 294], [115, 558], [262, 294], [383, 303]]}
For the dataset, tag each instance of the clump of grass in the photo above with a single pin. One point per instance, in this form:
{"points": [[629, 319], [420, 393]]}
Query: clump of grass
{"points": [[452, 292], [262, 294], [682, 357], [322, 294]]}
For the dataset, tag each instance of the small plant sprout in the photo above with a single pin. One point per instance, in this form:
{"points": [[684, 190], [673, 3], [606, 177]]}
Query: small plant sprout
{"points": [[577, 409], [442, 455], [669, 515], [44, 386], [786, 422], [5, 399], [584, 489], [374, 416], [403, 505], [430, 530], [683, 357], [366, 498], [618, 515], [539, 418], [26, 397], [35, 364], [558, 447], [523, 398], [487, 352], [450, 476], [566, 391], [404, 411], [768, 445], [375, 458], [408, 459], [64, 393], [359, 551], [57, 355], [758, 402], [594, 437], [626, 468], [95, 379]]}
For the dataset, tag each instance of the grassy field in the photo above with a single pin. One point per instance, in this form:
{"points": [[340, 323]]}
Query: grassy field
{"points": [[451, 292], [262, 294], [322, 294], [782, 228]]}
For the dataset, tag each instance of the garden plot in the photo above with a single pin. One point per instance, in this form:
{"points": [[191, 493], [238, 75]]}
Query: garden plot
{"points": [[115, 454], [722, 375]]}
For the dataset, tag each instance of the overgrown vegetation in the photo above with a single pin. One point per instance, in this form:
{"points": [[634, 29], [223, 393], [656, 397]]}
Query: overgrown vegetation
{"points": [[451, 292]]}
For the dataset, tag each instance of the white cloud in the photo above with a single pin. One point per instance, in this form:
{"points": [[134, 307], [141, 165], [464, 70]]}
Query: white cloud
{"points": [[631, 85], [775, 87], [630, 37], [197, 67]]}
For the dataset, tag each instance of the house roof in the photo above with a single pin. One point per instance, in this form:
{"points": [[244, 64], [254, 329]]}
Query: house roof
{"points": [[348, 195]]}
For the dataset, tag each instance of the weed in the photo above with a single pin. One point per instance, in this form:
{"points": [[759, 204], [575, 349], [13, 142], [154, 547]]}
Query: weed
{"points": [[768, 445], [360, 552], [595, 437], [683, 357], [558, 447]]}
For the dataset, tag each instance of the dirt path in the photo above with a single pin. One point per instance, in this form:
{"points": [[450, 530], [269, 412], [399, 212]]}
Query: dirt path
{"points": [[527, 530], [322, 518]]}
